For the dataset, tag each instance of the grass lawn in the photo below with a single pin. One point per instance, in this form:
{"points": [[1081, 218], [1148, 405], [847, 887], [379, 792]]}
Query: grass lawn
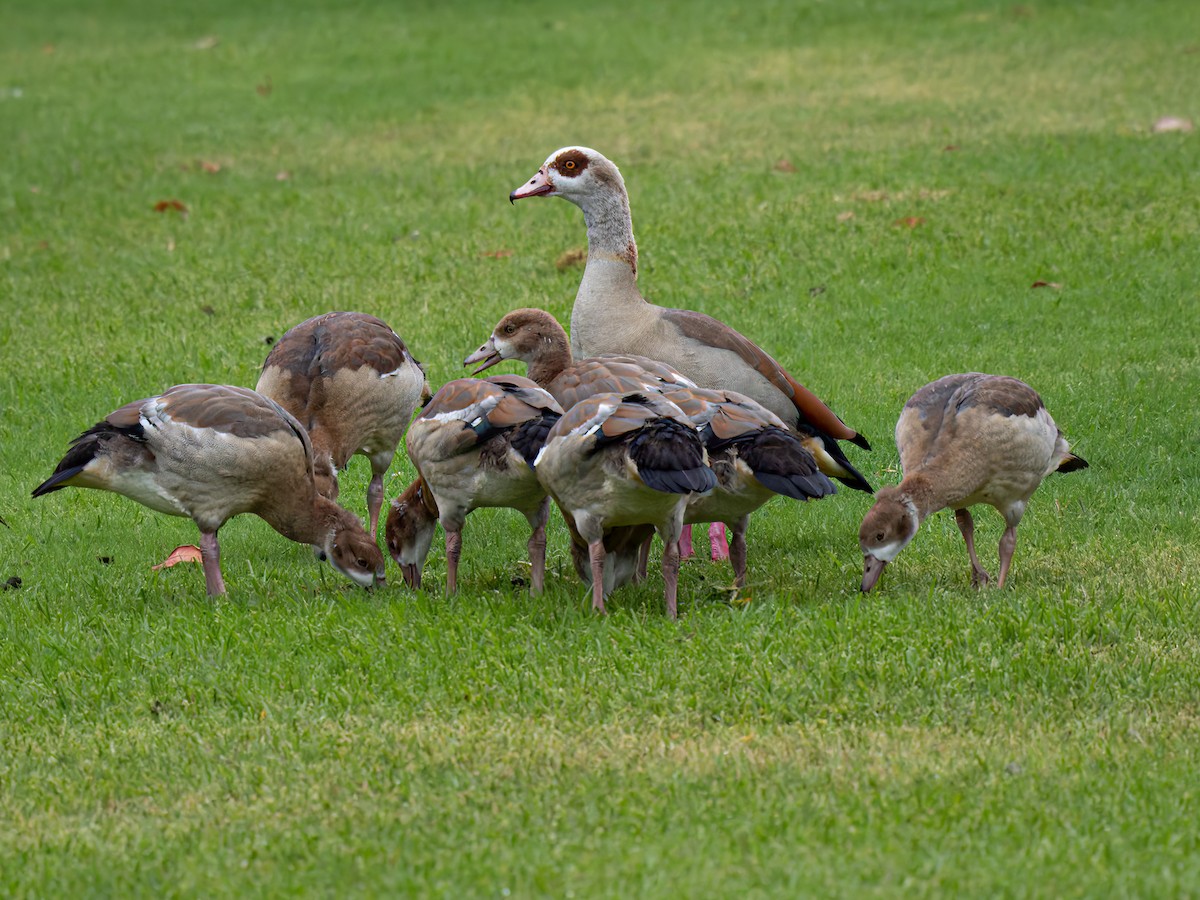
{"points": [[867, 189]]}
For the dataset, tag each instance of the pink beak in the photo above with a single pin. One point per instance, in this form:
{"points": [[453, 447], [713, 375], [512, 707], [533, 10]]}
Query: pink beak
{"points": [[539, 185], [486, 355], [873, 567]]}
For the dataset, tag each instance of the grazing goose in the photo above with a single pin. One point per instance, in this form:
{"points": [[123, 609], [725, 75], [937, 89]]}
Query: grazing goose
{"points": [[744, 439], [611, 316], [473, 445], [965, 439], [350, 380], [754, 457], [624, 460], [209, 452]]}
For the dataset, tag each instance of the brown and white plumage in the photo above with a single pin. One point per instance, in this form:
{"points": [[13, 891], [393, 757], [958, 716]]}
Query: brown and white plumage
{"points": [[618, 460], [743, 438], [473, 445], [210, 452], [351, 381], [965, 439], [755, 457], [611, 316]]}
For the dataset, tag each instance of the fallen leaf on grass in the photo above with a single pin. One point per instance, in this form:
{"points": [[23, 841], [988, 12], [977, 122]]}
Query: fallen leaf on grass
{"points": [[576, 256], [169, 205], [208, 310], [48, 49], [264, 89], [496, 254], [785, 165], [910, 221], [209, 166], [950, 148], [845, 216], [1050, 284], [182, 554], [283, 175], [207, 42]]}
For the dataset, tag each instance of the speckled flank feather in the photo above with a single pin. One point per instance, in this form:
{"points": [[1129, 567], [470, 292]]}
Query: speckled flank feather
{"points": [[963, 440], [611, 316]]}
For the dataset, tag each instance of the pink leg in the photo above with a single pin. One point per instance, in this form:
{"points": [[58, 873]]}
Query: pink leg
{"points": [[210, 557], [596, 553], [453, 550], [966, 525], [670, 571], [685, 543], [643, 560], [1008, 543], [537, 559], [375, 503], [737, 552], [716, 538]]}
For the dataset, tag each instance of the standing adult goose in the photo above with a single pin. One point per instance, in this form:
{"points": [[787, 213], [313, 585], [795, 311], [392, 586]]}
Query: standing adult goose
{"points": [[210, 452], [618, 460], [351, 381], [611, 316], [473, 445], [965, 439], [749, 448]]}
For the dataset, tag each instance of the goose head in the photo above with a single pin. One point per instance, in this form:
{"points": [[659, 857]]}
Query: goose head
{"points": [[524, 334], [573, 173], [351, 551], [409, 531], [888, 527]]}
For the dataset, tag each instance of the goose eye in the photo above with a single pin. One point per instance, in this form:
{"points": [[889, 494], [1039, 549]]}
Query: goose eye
{"points": [[569, 165], [509, 329], [362, 563], [879, 536]]}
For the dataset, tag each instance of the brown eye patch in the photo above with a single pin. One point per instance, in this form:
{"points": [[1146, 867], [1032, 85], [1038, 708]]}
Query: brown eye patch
{"points": [[570, 163]]}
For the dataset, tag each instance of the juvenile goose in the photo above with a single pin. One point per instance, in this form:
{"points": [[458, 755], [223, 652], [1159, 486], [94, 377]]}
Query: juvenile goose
{"points": [[473, 445], [350, 380], [754, 457], [210, 452], [618, 460], [965, 439], [611, 316], [743, 438]]}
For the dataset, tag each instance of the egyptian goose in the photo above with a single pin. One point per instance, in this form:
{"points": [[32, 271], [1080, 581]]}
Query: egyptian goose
{"points": [[754, 457], [743, 438], [965, 439], [618, 460], [611, 316], [210, 452], [473, 445], [351, 381]]}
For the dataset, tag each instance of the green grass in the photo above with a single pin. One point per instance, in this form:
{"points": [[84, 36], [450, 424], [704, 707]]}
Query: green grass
{"points": [[304, 737]]}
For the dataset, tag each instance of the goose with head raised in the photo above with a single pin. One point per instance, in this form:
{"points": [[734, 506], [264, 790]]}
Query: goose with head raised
{"points": [[965, 439], [352, 382], [611, 316], [473, 445], [618, 460], [209, 452]]}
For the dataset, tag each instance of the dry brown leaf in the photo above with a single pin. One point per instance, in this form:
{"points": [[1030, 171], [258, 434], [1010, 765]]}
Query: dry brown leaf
{"points": [[168, 205], [574, 257], [264, 89], [283, 175], [207, 42], [184, 553], [496, 254], [950, 148], [910, 221], [1050, 284], [48, 49], [209, 166], [784, 165], [845, 216]]}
